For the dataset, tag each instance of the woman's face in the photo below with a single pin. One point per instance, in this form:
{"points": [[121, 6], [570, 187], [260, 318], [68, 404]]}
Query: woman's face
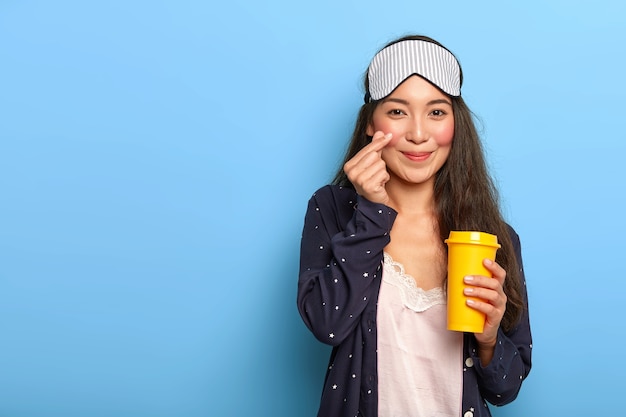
{"points": [[422, 123]]}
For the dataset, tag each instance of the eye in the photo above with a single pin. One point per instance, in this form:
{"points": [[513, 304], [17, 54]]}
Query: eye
{"points": [[438, 113], [396, 112]]}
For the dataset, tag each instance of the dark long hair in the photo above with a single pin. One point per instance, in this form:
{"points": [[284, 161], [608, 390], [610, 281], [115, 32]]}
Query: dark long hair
{"points": [[465, 196]]}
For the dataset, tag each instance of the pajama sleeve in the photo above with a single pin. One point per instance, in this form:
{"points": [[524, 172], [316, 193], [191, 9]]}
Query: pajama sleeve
{"points": [[340, 259]]}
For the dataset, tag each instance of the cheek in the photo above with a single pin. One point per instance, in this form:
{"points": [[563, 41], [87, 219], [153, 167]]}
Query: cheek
{"points": [[386, 128], [444, 135]]}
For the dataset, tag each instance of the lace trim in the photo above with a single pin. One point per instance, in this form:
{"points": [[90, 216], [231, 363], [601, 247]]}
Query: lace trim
{"points": [[413, 297]]}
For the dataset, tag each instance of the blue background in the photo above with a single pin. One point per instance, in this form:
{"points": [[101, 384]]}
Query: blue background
{"points": [[156, 158]]}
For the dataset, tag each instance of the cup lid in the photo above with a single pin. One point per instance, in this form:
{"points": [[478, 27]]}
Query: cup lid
{"points": [[472, 237]]}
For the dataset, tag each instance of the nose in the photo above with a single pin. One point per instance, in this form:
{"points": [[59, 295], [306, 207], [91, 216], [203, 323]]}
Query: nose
{"points": [[417, 131]]}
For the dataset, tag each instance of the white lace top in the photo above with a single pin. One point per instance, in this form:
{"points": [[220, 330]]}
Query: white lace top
{"points": [[419, 360]]}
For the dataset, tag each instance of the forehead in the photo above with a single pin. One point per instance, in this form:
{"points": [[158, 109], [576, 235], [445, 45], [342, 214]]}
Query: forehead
{"points": [[416, 88]]}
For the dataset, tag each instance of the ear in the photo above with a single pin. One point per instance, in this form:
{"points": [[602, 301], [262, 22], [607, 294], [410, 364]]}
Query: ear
{"points": [[369, 131]]}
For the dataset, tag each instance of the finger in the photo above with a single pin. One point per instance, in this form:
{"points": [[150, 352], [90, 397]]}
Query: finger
{"points": [[494, 267], [366, 167], [379, 141], [493, 305], [485, 288], [376, 180], [358, 159], [492, 297], [483, 281], [485, 308], [496, 270], [370, 179]]}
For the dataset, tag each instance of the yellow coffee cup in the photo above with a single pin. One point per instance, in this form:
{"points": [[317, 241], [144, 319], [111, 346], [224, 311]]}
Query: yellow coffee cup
{"points": [[466, 251]]}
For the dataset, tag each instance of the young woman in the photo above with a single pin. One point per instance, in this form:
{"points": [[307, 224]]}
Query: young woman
{"points": [[373, 259]]}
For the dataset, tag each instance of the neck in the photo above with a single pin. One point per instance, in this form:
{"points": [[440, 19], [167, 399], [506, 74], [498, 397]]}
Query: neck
{"points": [[411, 198]]}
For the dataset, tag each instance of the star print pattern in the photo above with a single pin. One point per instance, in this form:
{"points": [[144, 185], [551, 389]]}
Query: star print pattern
{"points": [[341, 254]]}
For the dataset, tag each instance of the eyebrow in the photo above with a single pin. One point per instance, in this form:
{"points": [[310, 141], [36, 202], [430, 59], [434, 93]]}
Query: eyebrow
{"points": [[406, 103]]}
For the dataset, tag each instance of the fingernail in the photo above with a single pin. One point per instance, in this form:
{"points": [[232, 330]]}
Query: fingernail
{"points": [[470, 302], [388, 136], [468, 278], [468, 291], [488, 261]]}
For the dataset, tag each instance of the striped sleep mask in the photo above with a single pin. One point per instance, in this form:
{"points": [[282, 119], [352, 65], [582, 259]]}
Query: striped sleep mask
{"points": [[397, 62]]}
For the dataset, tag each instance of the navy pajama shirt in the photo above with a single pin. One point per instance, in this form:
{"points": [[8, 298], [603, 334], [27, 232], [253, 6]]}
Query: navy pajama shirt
{"points": [[340, 275]]}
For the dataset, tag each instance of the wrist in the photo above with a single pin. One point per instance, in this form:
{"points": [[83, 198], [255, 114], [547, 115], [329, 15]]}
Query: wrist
{"points": [[486, 351], [486, 345]]}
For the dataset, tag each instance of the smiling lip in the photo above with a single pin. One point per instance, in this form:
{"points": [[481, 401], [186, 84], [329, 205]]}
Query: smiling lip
{"points": [[417, 156]]}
